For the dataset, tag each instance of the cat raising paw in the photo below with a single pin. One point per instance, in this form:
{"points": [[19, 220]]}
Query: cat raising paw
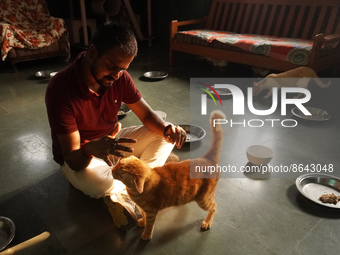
{"points": [[300, 77], [154, 189]]}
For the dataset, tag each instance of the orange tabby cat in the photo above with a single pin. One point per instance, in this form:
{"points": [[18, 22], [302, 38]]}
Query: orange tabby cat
{"points": [[154, 189], [302, 76]]}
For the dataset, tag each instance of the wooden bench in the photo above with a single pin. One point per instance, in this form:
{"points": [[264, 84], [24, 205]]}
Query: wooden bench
{"points": [[317, 21]]}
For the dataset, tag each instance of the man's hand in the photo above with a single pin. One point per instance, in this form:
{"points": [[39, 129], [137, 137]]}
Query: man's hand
{"points": [[175, 134], [106, 146], [109, 146]]}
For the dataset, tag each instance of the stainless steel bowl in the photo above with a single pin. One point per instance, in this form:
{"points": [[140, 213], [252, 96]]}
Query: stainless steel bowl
{"points": [[155, 75], [123, 110], [43, 74], [7, 231], [314, 185], [221, 91], [194, 133], [53, 74], [317, 114]]}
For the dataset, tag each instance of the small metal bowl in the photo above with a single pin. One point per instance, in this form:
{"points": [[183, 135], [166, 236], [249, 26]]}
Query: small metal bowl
{"points": [[313, 185], [155, 75], [221, 91], [194, 133], [317, 114], [7, 231], [43, 74], [53, 74], [123, 110]]}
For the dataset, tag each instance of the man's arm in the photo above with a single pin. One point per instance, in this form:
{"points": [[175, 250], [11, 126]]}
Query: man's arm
{"points": [[73, 155], [78, 157], [147, 116], [152, 121]]}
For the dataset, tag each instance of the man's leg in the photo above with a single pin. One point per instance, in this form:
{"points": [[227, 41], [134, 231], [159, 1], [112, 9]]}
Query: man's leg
{"points": [[150, 147], [96, 180]]}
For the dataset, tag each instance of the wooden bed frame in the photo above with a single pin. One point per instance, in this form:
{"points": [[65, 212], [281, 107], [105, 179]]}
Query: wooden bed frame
{"points": [[315, 20]]}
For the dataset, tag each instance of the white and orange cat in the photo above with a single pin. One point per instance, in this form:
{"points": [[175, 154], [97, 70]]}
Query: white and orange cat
{"points": [[154, 189], [302, 76]]}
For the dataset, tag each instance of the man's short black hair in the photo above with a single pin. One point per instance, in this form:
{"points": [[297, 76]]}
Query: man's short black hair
{"points": [[111, 35]]}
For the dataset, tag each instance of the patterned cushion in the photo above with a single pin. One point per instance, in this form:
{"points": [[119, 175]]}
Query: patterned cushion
{"points": [[27, 24], [296, 51]]}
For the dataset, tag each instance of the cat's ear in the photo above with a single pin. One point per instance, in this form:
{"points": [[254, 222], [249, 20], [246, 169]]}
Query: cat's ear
{"points": [[139, 183]]}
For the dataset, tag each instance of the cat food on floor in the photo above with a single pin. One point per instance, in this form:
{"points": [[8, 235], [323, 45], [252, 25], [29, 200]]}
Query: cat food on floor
{"points": [[329, 198]]}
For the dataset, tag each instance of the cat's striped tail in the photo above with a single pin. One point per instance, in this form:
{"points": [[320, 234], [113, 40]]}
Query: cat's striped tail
{"points": [[217, 136]]}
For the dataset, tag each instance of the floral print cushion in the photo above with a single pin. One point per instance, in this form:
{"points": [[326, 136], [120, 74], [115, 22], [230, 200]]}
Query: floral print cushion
{"points": [[27, 24], [296, 51]]}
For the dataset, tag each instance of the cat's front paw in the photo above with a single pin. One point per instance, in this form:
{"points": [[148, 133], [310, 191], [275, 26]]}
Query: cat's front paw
{"points": [[146, 236], [327, 84], [140, 223], [205, 226]]}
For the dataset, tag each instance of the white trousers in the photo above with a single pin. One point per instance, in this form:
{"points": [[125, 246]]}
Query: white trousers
{"points": [[96, 180]]}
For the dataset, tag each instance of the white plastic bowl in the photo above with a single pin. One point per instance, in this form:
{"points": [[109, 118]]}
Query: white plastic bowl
{"points": [[259, 155]]}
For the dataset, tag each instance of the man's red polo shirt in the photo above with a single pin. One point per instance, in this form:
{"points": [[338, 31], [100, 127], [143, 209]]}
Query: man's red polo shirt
{"points": [[71, 106]]}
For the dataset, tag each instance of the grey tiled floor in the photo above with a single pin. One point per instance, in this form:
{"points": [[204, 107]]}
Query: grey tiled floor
{"points": [[254, 216]]}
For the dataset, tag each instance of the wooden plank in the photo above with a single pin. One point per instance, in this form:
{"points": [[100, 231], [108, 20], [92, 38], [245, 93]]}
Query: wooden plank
{"points": [[211, 14], [231, 19], [217, 16], [309, 22], [224, 18], [331, 20], [262, 19], [238, 18], [321, 18], [247, 18], [337, 25], [287, 2], [252, 26], [225, 15], [298, 22], [289, 21], [279, 20], [270, 21]]}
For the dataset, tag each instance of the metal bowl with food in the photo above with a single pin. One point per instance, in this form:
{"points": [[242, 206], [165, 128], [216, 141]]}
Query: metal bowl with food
{"points": [[124, 109], [317, 114], [194, 133], [315, 185]]}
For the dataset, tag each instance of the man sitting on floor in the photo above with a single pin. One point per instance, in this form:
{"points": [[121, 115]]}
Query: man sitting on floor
{"points": [[82, 104]]}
